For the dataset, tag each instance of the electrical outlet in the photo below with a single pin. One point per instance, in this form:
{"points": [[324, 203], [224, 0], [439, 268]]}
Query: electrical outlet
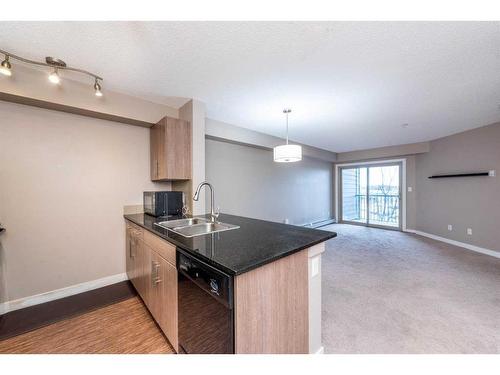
{"points": [[469, 231], [410, 189], [286, 221], [450, 227]]}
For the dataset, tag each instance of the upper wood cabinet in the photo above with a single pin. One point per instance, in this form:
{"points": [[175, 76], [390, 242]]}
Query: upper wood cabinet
{"points": [[171, 150]]}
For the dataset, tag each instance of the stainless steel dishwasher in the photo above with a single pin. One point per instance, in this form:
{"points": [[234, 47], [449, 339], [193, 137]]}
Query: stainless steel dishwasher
{"points": [[205, 296]]}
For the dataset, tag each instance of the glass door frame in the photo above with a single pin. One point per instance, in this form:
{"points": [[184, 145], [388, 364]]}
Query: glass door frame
{"points": [[402, 192]]}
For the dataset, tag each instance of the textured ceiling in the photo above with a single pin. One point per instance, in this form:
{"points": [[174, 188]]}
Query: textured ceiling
{"points": [[350, 85]]}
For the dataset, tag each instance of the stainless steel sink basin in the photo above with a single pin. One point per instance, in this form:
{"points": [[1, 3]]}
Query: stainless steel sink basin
{"points": [[181, 222], [195, 226]]}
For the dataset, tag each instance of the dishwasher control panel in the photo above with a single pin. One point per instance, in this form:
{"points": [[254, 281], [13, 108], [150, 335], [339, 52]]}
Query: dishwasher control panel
{"points": [[206, 277]]}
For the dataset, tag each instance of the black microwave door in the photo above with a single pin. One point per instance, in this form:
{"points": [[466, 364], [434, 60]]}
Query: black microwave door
{"points": [[149, 203], [174, 205]]}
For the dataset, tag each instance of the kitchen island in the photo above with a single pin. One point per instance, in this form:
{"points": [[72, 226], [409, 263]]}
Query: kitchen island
{"points": [[273, 277]]}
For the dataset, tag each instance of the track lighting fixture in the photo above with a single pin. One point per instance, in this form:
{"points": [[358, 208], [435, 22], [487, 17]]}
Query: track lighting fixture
{"points": [[5, 67], [51, 62], [54, 77], [97, 88]]}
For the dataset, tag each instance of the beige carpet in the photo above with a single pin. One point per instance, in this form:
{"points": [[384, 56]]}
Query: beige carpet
{"points": [[391, 292]]}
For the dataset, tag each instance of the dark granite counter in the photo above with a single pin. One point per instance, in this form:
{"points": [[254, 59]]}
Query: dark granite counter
{"points": [[237, 251]]}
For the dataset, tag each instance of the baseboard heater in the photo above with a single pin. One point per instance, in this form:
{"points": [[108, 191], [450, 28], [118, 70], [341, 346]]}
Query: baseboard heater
{"points": [[318, 224]]}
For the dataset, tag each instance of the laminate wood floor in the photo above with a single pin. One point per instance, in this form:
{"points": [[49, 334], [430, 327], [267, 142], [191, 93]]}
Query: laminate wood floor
{"points": [[122, 328]]}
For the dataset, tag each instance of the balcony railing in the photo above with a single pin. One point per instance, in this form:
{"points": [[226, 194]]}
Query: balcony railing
{"points": [[384, 209]]}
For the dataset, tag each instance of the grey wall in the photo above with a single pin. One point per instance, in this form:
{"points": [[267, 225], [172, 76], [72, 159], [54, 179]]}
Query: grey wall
{"points": [[472, 202], [247, 182], [219, 130], [384, 152]]}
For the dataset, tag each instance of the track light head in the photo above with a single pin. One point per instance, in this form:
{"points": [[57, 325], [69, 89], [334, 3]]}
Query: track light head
{"points": [[57, 63], [97, 88], [6, 67], [54, 77]]}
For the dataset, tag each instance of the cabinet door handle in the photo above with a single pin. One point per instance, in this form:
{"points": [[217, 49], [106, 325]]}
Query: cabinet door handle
{"points": [[131, 245], [157, 168], [155, 273]]}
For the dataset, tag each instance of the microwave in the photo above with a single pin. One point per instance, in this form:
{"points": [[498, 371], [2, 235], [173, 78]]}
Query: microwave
{"points": [[163, 203]]}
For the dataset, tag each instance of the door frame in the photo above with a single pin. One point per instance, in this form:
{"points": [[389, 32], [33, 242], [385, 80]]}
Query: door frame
{"points": [[402, 173]]}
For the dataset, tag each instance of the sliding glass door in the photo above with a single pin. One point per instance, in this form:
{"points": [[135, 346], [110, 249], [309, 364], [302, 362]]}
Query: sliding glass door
{"points": [[354, 193], [371, 195]]}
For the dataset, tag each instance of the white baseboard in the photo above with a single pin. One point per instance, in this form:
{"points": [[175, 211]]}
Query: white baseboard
{"points": [[37, 299], [467, 246]]}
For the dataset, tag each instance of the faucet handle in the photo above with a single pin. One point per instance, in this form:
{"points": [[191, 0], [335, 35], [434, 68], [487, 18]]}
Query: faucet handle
{"points": [[217, 212]]}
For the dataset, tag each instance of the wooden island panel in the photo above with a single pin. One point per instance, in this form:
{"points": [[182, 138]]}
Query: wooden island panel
{"points": [[272, 307]]}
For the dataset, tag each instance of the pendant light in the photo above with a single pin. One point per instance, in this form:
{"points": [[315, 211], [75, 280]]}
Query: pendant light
{"points": [[287, 153]]}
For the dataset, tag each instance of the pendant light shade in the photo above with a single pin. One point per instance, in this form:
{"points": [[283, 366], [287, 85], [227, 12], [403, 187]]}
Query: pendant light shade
{"points": [[287, 153]]}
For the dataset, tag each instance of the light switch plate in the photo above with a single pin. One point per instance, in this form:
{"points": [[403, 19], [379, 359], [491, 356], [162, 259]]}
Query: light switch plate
{"points": [[410, 189], [469, 231], [314, 266]]}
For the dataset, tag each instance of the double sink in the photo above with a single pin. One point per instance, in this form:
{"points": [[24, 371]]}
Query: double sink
{"points": [[195, 226]]}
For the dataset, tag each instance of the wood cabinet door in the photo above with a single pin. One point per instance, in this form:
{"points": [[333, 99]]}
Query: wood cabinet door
{"points": [[164, 290], [134, 260], [129, 256], [157, 150], [158, 146], [178, 149], [153, 152], [144, 271], [170, 150], [154, 278]]}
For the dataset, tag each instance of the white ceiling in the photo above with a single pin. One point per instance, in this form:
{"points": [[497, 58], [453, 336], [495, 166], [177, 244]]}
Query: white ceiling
{"points": [[350, 85]]}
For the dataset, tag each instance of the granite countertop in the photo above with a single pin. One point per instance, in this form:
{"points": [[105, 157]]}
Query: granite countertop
{"points": [[237, 251]]}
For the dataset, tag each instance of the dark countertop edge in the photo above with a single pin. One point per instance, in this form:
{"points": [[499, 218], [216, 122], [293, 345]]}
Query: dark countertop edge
{"points": [[220, 266], [283, 255]]}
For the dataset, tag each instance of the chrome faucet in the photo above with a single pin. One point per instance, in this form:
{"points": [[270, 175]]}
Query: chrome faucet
{"points": [[214, 215]]}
